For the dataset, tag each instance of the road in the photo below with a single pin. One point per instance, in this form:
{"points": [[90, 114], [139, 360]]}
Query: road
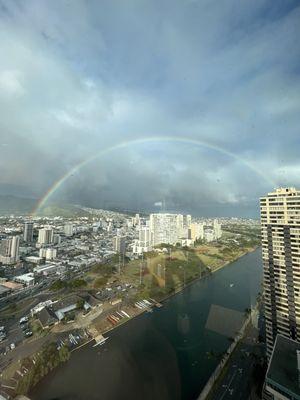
{"points": [[12, 326], [236, 381]]}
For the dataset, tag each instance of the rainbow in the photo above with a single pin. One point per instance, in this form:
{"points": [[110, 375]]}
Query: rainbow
{"points": [[57, 184]]}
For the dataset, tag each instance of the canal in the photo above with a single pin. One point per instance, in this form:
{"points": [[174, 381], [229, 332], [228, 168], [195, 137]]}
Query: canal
{"points": [[167, 354]]}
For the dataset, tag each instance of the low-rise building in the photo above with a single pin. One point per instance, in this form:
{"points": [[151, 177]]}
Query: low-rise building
{"points": [[26, 279], [48, 269], [283, 374], [46, 317], [34, 259]]}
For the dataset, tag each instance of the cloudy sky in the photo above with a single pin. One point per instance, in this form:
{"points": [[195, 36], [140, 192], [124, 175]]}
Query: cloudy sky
{"points": [[204, 97]]}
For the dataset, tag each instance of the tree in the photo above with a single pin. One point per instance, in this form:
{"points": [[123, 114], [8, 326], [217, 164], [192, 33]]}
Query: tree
{"points": [[57, 285], [80, 304], [100, 282], [77, 283]]}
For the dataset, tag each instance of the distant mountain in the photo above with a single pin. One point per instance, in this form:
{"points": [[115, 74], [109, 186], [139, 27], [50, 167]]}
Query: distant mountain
{"points": [[63, 210], [10, 204]]}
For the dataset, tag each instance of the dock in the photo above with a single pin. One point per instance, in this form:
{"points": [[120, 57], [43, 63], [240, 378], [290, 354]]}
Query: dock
{"points": [[156, 303], [100, 339]]}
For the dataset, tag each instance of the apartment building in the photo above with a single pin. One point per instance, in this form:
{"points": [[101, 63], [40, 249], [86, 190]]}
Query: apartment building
{"points": [[280, 228]]}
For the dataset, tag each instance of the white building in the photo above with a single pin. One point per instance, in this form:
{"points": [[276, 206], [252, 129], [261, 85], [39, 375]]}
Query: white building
{"points": [[26, 279], [9, 250], [136, 220], [49, 253], [217, 229], [69, 229], [280, 228], [119, 244], [166, 228], [45, 236], [143, 244], [209, 234], [197, 231], [48, 269]]}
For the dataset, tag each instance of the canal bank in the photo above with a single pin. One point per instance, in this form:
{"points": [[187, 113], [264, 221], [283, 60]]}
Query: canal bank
{"points": [[167, 354]]}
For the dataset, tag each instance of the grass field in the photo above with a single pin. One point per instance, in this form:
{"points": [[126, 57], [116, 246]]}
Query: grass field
{"points": [[161, 273]]}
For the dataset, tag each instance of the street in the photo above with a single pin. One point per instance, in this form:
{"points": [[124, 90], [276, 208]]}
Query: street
{"points": [[236, 381]]}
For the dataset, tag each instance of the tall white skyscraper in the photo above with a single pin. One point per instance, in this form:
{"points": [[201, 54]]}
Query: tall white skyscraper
{"points": [[166, 228], [280, 228], [69, 229], [197, 231], [28, 232], [9, 250], [45, 236], [119, 244], [217, 229]]}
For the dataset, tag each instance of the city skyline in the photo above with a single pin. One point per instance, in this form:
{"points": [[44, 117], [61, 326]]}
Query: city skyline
{"points": [[187, 104]]}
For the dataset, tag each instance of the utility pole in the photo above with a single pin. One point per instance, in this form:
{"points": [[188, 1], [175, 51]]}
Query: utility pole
{"points": [[123, 259], [182, 267], [141, 268]]}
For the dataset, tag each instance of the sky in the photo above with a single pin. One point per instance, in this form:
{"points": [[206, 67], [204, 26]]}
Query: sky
{"points": [[196, 103]]}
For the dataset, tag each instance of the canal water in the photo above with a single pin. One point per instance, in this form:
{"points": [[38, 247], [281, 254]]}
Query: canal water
{"points": [[167, 354]]}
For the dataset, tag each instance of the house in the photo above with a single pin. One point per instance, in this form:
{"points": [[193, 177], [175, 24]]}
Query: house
{"points": [[46, 317], [64, 306]]}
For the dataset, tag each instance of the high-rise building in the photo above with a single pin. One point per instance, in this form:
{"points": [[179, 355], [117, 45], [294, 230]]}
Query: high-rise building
{"points": [[165, 228], [28, 232], [143, 244], [280, 228], [9, 250], [119, 244], [45, 236], [187, 220], [217, 229], [49, 253], [69, 229], [197, 231]]}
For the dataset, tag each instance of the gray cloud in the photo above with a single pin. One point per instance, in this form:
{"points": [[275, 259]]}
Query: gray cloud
{"points": [[79, 78]]}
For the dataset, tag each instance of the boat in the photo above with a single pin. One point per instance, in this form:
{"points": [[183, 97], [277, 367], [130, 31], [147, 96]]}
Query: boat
{"points": [[101, 342], [231, 285]]}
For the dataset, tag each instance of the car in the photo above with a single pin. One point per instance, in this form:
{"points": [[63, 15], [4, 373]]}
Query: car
{"points": [[12, 346], [24, 326], [2, 337], [28, 333], [24, 320]]}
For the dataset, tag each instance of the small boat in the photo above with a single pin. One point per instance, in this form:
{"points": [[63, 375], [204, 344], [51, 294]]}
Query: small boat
{"points": [[231, 285], [101, 342]]}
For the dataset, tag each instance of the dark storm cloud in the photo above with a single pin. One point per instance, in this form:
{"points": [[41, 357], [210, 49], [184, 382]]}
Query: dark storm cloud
{"points": [[79, 77]]}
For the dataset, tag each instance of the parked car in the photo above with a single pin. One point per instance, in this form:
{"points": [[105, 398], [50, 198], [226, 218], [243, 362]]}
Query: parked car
{"points": [[2, 336], [24, 326], [23, 320]]}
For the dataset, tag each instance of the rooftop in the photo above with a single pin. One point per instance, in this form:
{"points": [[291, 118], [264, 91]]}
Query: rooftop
{"points": [[283, 372]]}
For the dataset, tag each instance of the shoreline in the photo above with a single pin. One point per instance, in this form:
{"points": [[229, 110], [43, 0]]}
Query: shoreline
{"points": [[162, 301], [165, 299]]}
